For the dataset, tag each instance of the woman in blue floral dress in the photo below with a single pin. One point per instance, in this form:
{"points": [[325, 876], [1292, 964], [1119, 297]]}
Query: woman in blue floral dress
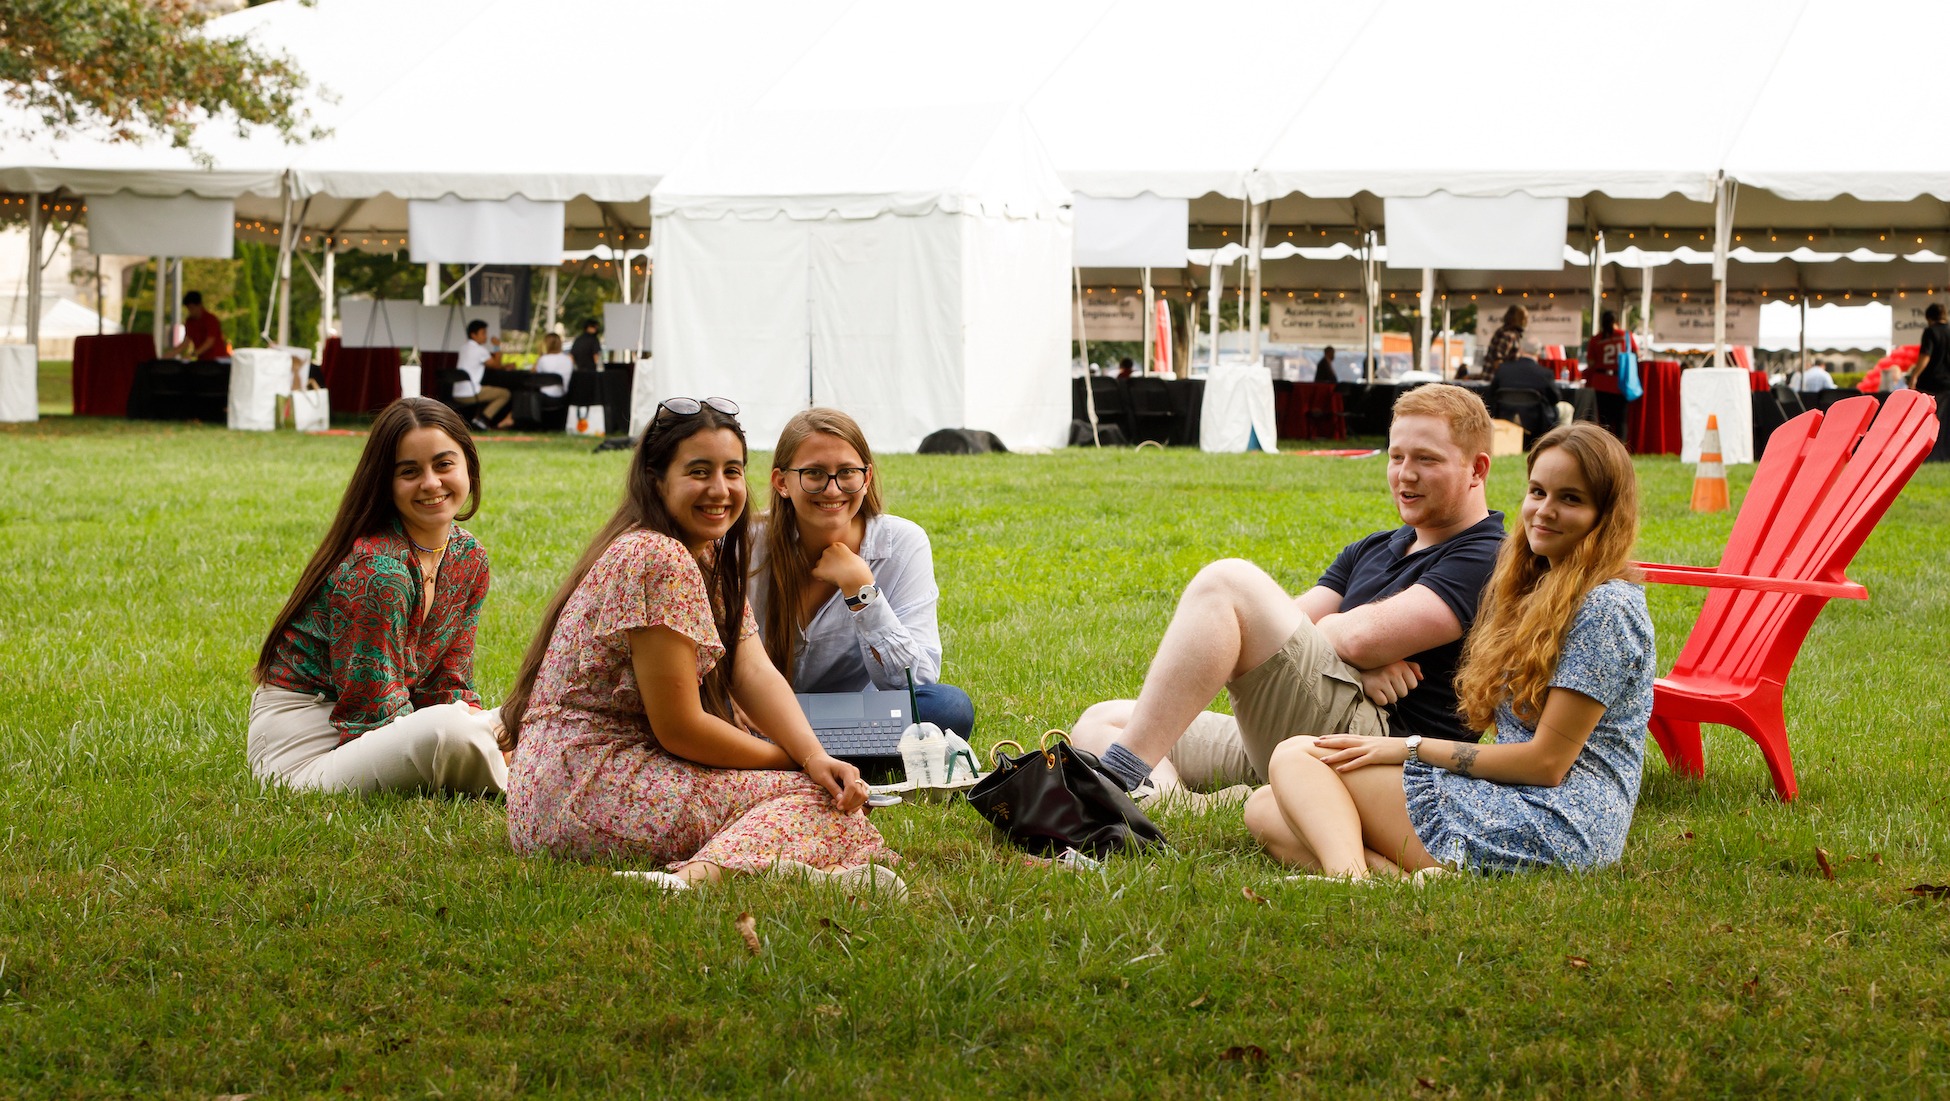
{"points": [[1560, 662]]}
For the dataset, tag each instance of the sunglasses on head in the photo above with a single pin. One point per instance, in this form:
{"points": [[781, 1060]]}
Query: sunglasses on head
{"points": [[690, 407]]}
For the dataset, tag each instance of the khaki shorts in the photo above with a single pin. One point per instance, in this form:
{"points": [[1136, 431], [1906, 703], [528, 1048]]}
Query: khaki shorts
{"points": [[1304, 688]]}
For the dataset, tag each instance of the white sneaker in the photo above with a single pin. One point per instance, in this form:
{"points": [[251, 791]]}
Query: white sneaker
{"points": [[664, 880]]}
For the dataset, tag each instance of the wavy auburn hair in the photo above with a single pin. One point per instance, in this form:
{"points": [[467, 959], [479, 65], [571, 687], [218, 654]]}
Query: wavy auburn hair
{"points": [[642, 509], [367, 507], [1528, 606], [788, 564]]}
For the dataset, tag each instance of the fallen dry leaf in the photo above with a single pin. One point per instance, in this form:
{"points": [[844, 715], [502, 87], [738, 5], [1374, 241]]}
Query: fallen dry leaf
{"points": [[1876, 859], [1578, 962], [1254, 896], [1196, 1002], [748, 928], [1688, 835], [829, 923], [1821, 858], [1930, 890], [1243, 1053]]}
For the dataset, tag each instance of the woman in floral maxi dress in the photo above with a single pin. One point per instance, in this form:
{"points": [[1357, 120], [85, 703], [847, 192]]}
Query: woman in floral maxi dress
{"points": [[623, 714]]}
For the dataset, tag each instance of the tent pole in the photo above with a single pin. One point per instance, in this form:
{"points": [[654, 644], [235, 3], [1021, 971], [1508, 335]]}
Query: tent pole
{"points": [[1645, 302], [1258, 246], [548, 316], [1597, 278], [101, 299], [1145, 363], [1367, 302], [325, 308], [1427, 308], [157, 318], [34, 272], [431, 295], [1804, 329], [176, 296], [284, 270], [1212, 322], [1083, 350], [1448, 369], [1722, 214]]}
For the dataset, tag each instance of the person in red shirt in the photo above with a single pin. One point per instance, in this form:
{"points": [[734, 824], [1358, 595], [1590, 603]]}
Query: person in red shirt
{"points": [[1601, 370], [202, 331]]}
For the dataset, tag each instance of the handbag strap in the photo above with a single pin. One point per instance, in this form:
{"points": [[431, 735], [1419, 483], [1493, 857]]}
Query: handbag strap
{"points": [[995, 751]]}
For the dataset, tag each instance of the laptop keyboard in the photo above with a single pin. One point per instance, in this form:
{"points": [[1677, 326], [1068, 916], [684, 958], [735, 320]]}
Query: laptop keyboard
{"points": [[868, 739]]}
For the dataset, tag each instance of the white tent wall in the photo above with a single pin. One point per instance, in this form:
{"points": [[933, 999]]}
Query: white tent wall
{"points": [[1016, 309], [730, 318]]}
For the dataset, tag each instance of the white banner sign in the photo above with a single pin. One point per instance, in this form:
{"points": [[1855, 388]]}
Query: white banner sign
{"points": [[1557, 320], [1339, 322], [1107, 318], [1689, 320], [1906, 321]]}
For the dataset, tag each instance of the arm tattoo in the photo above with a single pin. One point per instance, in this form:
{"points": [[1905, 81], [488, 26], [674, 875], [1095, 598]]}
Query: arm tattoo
{"points": [[1465, 759]]}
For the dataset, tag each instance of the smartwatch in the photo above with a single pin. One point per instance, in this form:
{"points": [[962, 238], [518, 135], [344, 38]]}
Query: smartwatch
{"points": [[1414, 744], [867, 595]]}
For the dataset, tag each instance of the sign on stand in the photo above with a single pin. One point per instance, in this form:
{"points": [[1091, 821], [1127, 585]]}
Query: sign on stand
{"points": [[1339, 322], [1107, 318], [1906, 321], [1557, 320], [1689, 320]]}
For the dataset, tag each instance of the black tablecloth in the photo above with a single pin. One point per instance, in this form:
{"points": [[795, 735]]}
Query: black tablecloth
{"points": [[175, 390]]}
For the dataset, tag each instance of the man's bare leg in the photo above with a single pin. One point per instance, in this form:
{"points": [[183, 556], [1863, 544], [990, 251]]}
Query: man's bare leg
{"points": [[1103, 723], [1231, 618]]}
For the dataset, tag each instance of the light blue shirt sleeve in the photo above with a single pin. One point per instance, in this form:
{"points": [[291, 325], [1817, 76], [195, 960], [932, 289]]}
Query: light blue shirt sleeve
{"points": [[841, 650]]}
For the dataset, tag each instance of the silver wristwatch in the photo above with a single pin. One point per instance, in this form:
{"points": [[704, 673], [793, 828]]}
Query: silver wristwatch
{"points": [[867, 595], [1414, 744]]}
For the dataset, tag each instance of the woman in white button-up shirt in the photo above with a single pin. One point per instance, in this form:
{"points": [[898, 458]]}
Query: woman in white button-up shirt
{"points": [[844, 593]]}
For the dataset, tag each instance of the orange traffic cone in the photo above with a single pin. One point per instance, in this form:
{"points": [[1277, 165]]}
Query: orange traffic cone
{"points": [[1710, 484]]}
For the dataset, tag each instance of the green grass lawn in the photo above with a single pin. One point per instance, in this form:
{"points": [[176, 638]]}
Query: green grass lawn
{"points": [[169, 928]]}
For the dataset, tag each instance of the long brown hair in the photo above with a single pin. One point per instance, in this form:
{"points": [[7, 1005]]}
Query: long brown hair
{"points": [[1528, 606], [642, 509], [367, 507], [788, 564]]}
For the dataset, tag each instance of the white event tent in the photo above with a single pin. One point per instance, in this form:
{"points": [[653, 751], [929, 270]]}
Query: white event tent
{"points": [[909, 267]]}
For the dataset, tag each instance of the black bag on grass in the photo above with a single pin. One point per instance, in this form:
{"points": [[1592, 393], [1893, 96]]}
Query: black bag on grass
{"points": [[1055, 798]]}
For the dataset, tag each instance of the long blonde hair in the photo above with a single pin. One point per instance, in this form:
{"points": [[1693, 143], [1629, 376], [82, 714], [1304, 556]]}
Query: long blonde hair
{"points": [[1528, 606], [788, 564]]}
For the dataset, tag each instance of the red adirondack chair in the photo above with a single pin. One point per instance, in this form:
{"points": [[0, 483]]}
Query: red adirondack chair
{"points": [[1816, 496]]}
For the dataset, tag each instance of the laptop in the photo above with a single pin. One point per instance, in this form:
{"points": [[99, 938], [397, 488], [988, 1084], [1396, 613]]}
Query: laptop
{"points": [[861, 728]]}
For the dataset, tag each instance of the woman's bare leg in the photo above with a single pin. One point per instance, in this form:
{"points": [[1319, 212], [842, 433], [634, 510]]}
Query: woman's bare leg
{"points": [[1318, 809], [1383, 807], [1269, 827]]}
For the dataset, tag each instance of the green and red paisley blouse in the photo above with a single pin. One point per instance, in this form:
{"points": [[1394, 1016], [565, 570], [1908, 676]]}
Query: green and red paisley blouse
{"points": [[363, 644]]}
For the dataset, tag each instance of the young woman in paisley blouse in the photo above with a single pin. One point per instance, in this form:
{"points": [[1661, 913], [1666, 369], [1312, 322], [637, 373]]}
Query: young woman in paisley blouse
{"points": [[624, 712], [1560, 663], [366, 682]]}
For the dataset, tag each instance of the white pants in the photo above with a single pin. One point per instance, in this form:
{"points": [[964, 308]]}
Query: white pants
{"points": [[448, 748]]}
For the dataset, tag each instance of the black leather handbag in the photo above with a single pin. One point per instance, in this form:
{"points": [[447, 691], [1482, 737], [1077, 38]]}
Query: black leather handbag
{"points": [[1055, 798]]}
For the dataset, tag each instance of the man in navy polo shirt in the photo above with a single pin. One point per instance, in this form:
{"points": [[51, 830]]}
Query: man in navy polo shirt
{"points": [[1371, 649]]}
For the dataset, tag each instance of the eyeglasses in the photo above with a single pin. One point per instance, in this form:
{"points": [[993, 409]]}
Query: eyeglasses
{"points": [[690, 407], [852, 479]]}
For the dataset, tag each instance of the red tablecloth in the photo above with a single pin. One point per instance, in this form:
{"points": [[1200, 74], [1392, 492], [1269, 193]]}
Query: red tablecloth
{"points": [[362, 380], [104, 367], [1652, 422], [1757, 382], [1313, 409], [1563, 370]]}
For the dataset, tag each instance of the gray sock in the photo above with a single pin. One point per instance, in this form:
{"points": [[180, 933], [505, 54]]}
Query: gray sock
{"points": [[1128, 768]]}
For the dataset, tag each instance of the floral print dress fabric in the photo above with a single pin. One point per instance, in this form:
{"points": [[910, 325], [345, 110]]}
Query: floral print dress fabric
{"points": [[1608, 656], [590, 778]]}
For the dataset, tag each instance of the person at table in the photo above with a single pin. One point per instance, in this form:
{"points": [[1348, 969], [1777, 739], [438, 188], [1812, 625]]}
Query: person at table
{"points": [[626, 712], [553, 362], [1931, 375], [366, 681], [1525, 373], [1601, 354], [1560, 664], [1811, 381], [1507, 340], [844, 592], [1371, 648], [1324, 371], [475, 359], [202, 332], [587, 351]]}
